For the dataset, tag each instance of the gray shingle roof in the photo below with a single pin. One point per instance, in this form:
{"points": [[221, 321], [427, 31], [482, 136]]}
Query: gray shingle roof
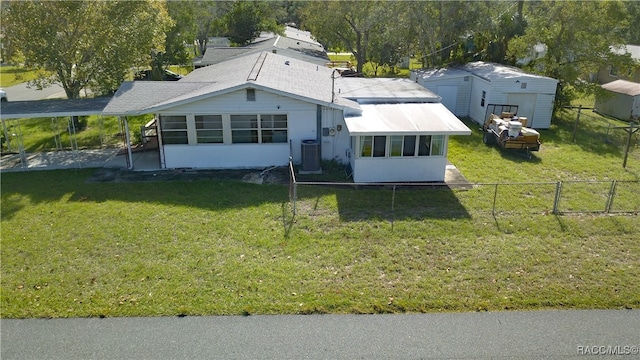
{"points": [[267, 71], [291, 47]]}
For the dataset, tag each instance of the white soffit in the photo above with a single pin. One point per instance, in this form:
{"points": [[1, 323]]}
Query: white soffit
{"points": [[412, 118]]}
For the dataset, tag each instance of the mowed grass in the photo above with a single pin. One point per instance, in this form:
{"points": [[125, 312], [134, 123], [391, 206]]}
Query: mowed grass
{"points": [[72, 248]]}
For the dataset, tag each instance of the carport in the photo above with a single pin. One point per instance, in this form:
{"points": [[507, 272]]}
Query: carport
{"points": [[14, 114]]}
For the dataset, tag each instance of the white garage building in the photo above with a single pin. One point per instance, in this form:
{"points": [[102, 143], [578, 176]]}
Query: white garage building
{"points": [[468, 89]]}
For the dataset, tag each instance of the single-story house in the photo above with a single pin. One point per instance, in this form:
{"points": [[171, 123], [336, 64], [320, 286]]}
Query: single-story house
{"points": [[296, 44], [623, 101], [467, 90], [610, 73], [260, 110]]}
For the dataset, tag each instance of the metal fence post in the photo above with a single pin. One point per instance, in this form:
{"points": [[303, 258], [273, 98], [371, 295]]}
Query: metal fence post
{"points": [[556, 200], [295, 197], [495, 196], [612, 192]]}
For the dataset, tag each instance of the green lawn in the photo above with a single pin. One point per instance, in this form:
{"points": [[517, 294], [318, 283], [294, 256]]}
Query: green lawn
{"points": [[75, 248], [13, 75]]}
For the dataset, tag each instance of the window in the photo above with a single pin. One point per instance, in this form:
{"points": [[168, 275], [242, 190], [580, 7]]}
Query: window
{"points": [[209, 129], [244, 129], [424, 145], [437, 145], [379, 146], [273, 128], [431, 145], [251, 94], [613, 72], [375, 146], [174, 129], [395, 146], [484, 95], [402, 145], [366, 145], [523, 85]]}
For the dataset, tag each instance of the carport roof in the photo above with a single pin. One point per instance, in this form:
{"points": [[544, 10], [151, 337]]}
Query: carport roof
{"points": [[52, 108], [406, 119]]}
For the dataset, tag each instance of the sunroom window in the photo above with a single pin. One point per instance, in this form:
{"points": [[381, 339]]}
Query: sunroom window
{"points": [[402, 145], [273, 128], [244, 129], [209, 129], [174, 129]]}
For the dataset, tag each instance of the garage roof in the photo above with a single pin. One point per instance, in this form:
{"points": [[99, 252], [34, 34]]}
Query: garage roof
{"points": [[52, 108], [406, 119]]}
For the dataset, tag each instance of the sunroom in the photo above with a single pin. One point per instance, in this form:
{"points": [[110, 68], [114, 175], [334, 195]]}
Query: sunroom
{"points": [[405, 142]]}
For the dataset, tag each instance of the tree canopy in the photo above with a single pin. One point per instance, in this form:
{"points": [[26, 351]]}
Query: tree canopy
{"points": [[84, 44], [577, 38]]}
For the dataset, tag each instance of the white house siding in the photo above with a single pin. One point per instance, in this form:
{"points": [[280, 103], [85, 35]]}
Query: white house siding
{"points": [[443, 86], [336, 144], [418, 169], [301, 121], [236, 156], [478, 109]]}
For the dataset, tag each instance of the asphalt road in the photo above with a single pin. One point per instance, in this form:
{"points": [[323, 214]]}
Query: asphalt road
{"points": [[21, 92], [489, 335]]}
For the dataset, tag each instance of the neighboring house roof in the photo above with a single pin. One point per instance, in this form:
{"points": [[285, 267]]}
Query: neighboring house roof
{"points": [[301, 35], [425, 118], [292, 46], [53, 108], [623, 87], [383, 90], [265, 70]]}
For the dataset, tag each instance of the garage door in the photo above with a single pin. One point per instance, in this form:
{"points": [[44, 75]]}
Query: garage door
{"points": [[449, 94]]}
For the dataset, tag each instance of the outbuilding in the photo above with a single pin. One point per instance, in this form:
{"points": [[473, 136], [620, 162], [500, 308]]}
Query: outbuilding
{"points": [[467, 90], [622, 100]]}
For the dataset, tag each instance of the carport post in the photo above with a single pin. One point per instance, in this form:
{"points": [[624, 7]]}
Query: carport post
{"points": [[128, 137], [6, 135]]}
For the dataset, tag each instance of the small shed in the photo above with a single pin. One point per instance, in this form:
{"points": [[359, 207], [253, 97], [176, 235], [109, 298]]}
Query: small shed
{"points": [[622, 102], [467, 90]]}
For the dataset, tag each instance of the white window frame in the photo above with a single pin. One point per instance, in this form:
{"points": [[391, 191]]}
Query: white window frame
{"points": [[366, 146], [200, 132], [167, 132]]}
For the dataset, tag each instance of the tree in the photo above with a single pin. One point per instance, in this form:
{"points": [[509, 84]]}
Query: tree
{"points": [[578, 37], [85, 44], [247, 19], [439, 31], [347, 25], [182, 33], [492, 42]]}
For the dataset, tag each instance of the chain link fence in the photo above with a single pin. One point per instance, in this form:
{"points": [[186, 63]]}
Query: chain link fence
{"points": [[355, 201]]}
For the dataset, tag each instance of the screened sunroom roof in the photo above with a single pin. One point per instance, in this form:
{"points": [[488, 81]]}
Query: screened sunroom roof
{"points": [[408, 118]]}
